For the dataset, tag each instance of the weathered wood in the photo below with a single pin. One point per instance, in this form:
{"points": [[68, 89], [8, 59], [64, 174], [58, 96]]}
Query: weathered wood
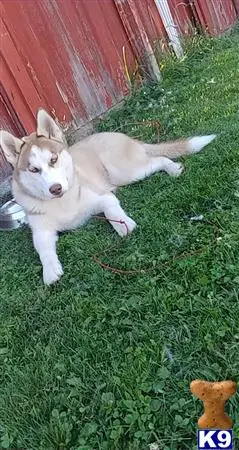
{"points": [[138, 37]]}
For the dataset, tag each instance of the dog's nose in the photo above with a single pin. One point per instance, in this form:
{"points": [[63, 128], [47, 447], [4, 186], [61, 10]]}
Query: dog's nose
{"points": [[56, 189]]}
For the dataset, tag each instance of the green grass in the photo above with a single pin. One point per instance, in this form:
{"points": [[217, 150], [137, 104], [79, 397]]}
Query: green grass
{"points": [[102, 361]]}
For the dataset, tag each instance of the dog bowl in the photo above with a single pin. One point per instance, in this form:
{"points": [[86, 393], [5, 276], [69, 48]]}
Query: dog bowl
{"points": [[12, 216]]}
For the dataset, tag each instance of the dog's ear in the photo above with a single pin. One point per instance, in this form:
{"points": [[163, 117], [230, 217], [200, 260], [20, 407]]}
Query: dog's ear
{"points": [[11, 146], [47, 127]]}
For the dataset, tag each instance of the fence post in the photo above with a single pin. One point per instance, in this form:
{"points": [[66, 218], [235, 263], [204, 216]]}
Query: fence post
{"points": [[167, 19]]}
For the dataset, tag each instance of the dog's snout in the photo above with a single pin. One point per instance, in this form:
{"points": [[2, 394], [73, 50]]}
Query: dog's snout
{"points": [[56, 189]]}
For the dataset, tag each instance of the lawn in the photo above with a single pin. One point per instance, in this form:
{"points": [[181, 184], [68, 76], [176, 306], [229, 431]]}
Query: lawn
{"points": [[102, 360]]}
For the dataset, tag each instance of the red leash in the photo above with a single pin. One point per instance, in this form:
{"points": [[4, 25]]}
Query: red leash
{"points": [[113, 220], [179, 257]]}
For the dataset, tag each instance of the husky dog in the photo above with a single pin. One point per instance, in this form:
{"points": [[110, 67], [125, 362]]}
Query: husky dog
{"points": [[61, 187]]}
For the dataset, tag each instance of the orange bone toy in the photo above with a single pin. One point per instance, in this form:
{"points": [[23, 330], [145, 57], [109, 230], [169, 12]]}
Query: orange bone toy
{"points": [[214, 396]]}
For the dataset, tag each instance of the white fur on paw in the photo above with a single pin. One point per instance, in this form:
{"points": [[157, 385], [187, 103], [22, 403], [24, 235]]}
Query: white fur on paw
{"points": [[126, 226], [176, 169], [52, 272]]}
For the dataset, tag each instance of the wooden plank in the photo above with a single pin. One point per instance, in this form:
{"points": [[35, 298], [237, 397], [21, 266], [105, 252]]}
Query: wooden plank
{"points": [[236, 5], [16, 97], [30, 52], [129, 13], [73, 54], [16, 82], [108, 38], [153, 23], [216, 16], [183, 16], [18, 71], [9, 120]]}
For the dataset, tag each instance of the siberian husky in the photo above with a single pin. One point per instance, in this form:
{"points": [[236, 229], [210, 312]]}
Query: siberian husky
{"points": [[60, 188]]}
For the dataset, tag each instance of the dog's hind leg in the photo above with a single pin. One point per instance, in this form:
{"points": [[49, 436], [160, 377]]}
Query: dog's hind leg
{"points": [[117, 217], [157, 164]]}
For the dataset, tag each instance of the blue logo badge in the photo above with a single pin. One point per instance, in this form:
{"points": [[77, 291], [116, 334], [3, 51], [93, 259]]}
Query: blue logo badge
{"points": [[215, 439]]}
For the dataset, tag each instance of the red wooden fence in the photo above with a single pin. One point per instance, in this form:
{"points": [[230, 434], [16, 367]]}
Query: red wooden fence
{"points": [[216, 16], [72, 56], [63, 55]]}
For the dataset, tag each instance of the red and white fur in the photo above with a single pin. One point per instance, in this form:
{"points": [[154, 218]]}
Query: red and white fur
{"points": [[60, 188]]}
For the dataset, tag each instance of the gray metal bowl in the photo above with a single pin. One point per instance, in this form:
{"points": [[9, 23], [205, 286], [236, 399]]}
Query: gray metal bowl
{"points": [[12, 216]]}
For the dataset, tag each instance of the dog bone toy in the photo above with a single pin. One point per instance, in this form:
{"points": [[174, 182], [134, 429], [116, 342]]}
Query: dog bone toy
{"points": [[214, 396]]}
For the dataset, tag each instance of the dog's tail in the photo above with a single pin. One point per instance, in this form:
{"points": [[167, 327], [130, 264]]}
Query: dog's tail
{"points": [[181, 147]]}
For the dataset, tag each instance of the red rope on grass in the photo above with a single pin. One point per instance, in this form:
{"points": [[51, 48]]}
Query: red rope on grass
{"points": [[182, 256], [113, 220]]}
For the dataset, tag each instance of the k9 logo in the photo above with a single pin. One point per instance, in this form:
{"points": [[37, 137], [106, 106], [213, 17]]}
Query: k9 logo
{"points": [[215, 439]]}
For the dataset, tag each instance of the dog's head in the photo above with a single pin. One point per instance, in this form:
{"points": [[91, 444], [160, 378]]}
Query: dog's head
{"points": [[42, 165]]}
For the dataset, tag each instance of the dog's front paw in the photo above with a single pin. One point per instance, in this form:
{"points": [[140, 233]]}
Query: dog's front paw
{"points": [[52, 272], [124, 226]]}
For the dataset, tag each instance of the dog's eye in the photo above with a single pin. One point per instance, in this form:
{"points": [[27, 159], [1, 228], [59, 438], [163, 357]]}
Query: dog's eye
{"points": [[34, 169], [53, 160]]}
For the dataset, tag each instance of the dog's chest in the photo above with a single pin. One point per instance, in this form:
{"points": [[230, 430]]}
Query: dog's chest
{"points": [[75, 210]]}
